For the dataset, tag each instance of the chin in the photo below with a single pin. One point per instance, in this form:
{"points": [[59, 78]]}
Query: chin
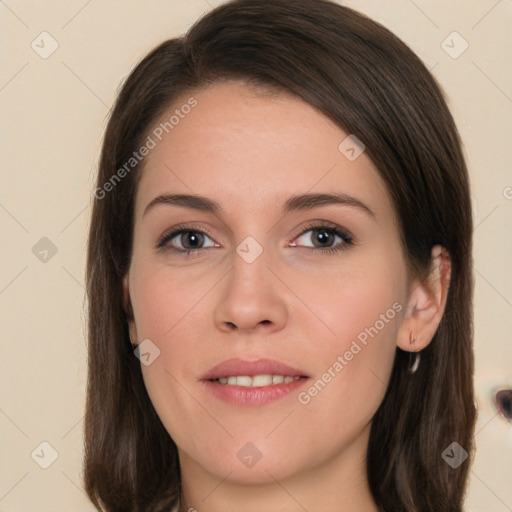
{"points": [[250, 463]]}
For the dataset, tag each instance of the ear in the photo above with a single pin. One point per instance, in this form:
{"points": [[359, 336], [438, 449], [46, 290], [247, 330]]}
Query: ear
{"points": [[127, 305], [426, 304]]}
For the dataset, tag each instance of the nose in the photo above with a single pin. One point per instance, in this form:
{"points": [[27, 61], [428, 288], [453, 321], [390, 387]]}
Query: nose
{"points": [[251, 298]]}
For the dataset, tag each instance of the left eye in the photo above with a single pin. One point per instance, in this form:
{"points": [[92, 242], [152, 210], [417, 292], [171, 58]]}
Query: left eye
{"points": [[325, 236]]}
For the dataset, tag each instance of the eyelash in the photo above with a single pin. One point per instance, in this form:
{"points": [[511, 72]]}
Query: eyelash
{"points": [[346, 238]]}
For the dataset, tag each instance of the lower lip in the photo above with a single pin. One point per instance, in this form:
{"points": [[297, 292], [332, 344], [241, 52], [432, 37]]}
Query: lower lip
{"points": [[241, 395]]}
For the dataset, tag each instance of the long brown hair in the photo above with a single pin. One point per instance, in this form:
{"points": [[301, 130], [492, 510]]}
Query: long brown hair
{"points": [[370, 84]]}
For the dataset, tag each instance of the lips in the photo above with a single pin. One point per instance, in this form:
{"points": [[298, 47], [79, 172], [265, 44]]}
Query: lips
{"points": [[237, 367], [253, 383]]}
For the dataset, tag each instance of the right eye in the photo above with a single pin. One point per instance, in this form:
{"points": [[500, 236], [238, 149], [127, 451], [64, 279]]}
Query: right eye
{"points": [[184, 239]]}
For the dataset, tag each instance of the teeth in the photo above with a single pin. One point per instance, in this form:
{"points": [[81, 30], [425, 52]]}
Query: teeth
{"points": [[261, 380], [256, 381], [244, 381]]}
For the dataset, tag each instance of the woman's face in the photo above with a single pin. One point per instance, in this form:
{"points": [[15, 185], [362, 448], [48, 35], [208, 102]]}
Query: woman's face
{"points": [[274, 287]]}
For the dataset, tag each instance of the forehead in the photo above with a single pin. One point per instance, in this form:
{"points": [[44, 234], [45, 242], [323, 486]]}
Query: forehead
{"points": [[250, 151]]}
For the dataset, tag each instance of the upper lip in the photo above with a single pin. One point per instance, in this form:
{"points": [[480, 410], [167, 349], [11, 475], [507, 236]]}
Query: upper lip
{"points": [[238, 367]]}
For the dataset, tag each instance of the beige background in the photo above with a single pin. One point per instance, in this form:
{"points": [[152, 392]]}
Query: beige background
{"points": [[53, 114]]}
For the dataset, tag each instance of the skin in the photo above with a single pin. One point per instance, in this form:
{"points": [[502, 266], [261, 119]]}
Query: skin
{"points": [[250, 151]]}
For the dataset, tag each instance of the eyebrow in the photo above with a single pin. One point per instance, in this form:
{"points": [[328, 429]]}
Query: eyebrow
{"points": [[294, 203]]}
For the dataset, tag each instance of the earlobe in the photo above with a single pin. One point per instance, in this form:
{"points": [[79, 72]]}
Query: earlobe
{"points": [[426, 304]]}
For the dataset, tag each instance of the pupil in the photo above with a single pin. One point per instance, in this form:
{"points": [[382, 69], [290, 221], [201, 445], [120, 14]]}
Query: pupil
{"points": [[190, 235], [323, 236]]}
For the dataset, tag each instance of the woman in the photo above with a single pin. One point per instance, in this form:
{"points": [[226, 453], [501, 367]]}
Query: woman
{"points": [[279, 274]]}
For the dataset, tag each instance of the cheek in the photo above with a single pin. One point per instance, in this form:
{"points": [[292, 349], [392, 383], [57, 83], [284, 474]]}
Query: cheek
{"points": [[361, 315], [353, 371], [174, 310], [359, 301], [163, 300], [168, 312], [153, 305]]}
